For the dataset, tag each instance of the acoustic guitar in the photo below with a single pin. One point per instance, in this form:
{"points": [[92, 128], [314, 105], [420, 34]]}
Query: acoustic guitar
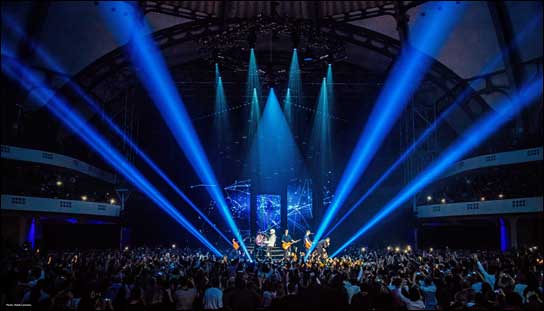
{"points": [[235, 245], [286, 245], [307, 244]]}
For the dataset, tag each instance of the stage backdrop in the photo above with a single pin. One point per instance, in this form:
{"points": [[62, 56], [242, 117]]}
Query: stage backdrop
{"points": [[299, 206], [269, 212]]}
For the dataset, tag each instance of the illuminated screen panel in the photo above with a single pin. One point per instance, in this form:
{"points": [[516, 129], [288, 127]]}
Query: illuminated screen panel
{"points": [[238, 198], [268, 211], [299, 205]]}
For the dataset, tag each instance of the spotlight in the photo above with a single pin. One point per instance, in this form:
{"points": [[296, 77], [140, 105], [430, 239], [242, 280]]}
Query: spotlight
{"points": [[363, 249], [59, 183], [442, 200], [112, 201], [397, 249], [174, 245], [431, 250], [389, 248], [501, 196], [408, 247], [126, 248], [83, 198], [482, 199], [429, 198]]}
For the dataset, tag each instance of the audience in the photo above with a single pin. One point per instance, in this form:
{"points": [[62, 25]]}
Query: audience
{"points": [[183, 279]]}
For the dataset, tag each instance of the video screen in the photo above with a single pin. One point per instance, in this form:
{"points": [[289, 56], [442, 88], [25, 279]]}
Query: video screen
{"points": [[238, 197], [299, 205], [268, 211]]}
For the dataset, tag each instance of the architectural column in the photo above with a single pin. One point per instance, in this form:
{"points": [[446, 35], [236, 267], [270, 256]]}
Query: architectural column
{"points": [[402, 19], [512, 57], [124, 230], [508, 232], [513, 231], [23, 229]]}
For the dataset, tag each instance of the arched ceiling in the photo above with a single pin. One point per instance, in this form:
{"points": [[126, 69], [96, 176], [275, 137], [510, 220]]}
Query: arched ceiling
{"points": [[368, 34], [71, 30]]}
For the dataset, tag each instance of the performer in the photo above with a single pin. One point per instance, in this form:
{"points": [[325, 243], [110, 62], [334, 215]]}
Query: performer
{"points": [[271, 241], [260, 244], [286, 243], [307, 240], [236, 246], [321, 248]]}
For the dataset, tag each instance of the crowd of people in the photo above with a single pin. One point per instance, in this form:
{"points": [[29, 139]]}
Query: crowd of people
{"points": [[36, 180], [359, 279], [497, 183]]}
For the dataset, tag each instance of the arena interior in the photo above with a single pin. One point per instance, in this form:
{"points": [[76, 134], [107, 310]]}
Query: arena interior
{"points": [[272, 155]]}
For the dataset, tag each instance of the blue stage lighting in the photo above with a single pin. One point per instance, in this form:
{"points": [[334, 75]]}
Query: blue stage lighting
{"points": [[288, 105], [464, 95], [321, 132], [427, 37], [274, 155], [31, 236], [156, 78], [221, 119], [294, 86], [503, 234], [78, 125], [478, 132], [254, 114], [253, 80], [50, 61]]}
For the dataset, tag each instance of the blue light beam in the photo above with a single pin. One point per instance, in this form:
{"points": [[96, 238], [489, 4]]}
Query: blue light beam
{"points": [[31, 236], [52, 63], [294, 87], [78, 125], [321, 131], [471, 138], [427, 37], [221, 119], [274, 156], [155, 77]]}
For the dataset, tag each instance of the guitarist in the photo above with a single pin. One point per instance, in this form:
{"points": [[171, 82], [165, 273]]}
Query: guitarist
{"points": [[236, 246], [321, 248], [286, 238], [307, 241]]}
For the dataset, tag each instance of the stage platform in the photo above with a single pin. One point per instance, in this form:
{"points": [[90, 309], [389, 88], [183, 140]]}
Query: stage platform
{"points": [[276, 253]]}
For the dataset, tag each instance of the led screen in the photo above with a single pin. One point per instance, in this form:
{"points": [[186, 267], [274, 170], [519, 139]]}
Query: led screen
{"points": [[299, 205], [268, 211]]}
